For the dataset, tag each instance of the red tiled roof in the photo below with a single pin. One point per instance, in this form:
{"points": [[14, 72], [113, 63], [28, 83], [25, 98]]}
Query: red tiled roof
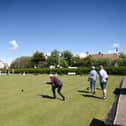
{"points": [[111, 56]]}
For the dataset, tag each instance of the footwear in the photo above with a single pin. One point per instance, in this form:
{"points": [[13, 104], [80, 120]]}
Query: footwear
{"points": [[104, 98], [54, 97], [94, 92], [63, 98]]}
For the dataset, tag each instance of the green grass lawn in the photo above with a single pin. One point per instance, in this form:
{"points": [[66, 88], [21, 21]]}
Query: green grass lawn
{"points": [[29, 108]]}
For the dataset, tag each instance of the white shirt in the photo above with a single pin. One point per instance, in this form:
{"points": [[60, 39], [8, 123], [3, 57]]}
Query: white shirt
{"points": [[103, 75], [93, 75]]}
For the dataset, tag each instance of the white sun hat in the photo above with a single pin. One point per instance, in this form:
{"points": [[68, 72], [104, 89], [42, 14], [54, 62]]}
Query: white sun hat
{"points": [[93, 67], [51, 75]]}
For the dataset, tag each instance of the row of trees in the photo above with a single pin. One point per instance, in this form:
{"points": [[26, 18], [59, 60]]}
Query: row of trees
{"points": [[38, 60], [63, 59]]}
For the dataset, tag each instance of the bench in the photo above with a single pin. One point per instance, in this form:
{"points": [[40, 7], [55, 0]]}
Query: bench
{"points": [[117, 114]]}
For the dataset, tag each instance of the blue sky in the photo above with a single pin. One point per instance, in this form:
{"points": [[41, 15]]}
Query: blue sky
{"points": [[75, 25]]}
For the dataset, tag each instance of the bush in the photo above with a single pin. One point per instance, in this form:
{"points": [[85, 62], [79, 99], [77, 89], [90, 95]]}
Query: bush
{"points": [[116, 70], [80, 71]]}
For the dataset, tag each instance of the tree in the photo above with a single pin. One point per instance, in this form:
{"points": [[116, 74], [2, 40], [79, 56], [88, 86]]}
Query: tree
{"points": [[67, 56], [121, 62], [38, 58], [54, 58], [22, 62], [122, 55], [76, 61], [63, 63], [87, 61]]}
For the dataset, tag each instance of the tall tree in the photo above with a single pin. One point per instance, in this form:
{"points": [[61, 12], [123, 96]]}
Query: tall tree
{"points": [[54, 59], [68, 57], [22, 62], [37, 58]]}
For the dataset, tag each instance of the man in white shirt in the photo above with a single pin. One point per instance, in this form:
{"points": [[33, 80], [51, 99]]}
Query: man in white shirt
{"points": [[103, 80]]}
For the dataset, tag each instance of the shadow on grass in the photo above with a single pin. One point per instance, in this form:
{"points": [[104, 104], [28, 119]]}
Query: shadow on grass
{"points": [[47, 96], [97, 122], [83, 91], [50, 97], [90, 96], [98, 88], [87, 90]]}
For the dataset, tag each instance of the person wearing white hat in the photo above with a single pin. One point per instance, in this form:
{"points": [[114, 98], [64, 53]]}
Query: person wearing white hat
{"points": [[92, 78], [56, 84]]}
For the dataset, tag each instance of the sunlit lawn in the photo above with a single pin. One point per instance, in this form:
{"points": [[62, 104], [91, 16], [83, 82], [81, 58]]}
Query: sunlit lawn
{"points": [[29, 108]]}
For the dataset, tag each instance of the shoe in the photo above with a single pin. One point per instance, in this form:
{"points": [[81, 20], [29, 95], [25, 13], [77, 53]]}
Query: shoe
{"points": [[54, 97], [88, 88], [104, 98], [63, 98], [94, 92]]}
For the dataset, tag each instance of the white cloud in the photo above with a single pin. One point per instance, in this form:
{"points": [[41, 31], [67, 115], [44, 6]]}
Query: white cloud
{"points": [[115, 45], [48, 54], [13, 44], [110, 51], [115, 48], [82, 55]]}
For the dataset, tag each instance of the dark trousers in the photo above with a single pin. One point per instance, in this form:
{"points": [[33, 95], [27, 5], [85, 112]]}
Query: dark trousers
{"points": [[58, 87]]}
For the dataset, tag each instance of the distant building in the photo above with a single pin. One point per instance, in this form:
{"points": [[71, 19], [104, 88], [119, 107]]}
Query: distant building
{"points": [[112, 56]]}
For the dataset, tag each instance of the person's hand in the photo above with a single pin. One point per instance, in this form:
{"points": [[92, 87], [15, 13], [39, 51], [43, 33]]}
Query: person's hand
{"points": [[48, 82]]}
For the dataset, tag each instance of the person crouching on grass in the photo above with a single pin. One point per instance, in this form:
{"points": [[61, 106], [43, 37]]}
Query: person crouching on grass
{"points": [[56, 84]]}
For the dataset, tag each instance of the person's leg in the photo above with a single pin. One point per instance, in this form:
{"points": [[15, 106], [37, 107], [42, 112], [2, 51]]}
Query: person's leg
{"points": [[53, 91], [59, 91], [104, 91], [102, 88], [93, 86]]}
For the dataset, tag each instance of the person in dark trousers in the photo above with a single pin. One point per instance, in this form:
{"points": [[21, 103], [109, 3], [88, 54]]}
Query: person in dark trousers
{"points": [[103, 80], [56, 84]]}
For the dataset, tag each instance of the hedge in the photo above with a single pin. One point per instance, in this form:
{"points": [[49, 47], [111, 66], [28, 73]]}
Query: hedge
{"points": [[79, 71]]}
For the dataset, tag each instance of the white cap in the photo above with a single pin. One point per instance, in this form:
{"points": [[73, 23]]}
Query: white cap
{"points": [[51, 75], [93, 67]]}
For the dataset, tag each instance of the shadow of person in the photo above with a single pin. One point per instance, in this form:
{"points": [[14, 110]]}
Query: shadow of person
{"points": [[90, 96], [47, 96], [83, 91], [86, 93]]}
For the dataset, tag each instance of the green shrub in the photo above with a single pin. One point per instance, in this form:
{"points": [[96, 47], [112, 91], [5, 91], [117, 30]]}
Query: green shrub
{"points": [[80, 71]]}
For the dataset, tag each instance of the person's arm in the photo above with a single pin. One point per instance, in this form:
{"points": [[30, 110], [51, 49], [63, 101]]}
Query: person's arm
{"points": [[106, 75], [50, 82], [89, 76], [97, 75]]}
